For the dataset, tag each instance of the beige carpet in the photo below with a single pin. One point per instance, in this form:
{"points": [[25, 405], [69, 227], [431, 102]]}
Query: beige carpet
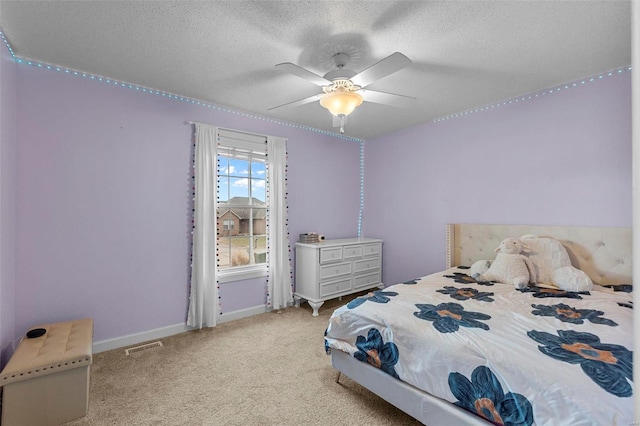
{"points": [[269, 369]]}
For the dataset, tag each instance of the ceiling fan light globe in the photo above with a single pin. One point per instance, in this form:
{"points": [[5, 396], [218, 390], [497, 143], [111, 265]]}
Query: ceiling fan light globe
{"points": [[341, 102]]}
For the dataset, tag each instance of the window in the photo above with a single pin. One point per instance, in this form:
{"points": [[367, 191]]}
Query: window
{"points": [[225, 162], [242, 205]]}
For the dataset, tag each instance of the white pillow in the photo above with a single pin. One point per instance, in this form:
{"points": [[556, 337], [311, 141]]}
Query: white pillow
{"points": [[571, 279], [547, 255]]}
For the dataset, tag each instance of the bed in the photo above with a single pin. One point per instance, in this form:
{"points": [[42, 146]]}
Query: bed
{"points": [[450, 350]]}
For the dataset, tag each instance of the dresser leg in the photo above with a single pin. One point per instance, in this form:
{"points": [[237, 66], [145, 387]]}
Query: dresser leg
{"points": [[296, 300], [315, 306]]}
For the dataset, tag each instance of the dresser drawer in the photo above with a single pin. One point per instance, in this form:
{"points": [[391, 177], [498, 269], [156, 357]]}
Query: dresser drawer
{"points": [[372, 249], [330, 254], [366, 281], [349, 252], [366, 264], [335, 270], [335, 287]]}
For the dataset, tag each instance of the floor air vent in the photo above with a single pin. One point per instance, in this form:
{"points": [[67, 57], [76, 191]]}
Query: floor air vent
{"points": [[143, 347]]}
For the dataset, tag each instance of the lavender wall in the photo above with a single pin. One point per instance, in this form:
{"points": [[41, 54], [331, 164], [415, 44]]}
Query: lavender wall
{"points": [[559, 159], [7, 203], [103, 190]]}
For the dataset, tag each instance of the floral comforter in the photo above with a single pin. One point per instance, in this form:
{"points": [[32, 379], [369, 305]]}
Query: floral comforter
{"points": [[516, 357]]}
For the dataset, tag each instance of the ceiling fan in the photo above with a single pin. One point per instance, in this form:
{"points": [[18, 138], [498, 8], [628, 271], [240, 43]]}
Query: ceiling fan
{"points": [[344, 90]]}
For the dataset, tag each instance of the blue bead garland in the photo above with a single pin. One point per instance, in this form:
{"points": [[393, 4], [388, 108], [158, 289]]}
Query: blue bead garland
{"points": [[298, 126], [537, 94]]}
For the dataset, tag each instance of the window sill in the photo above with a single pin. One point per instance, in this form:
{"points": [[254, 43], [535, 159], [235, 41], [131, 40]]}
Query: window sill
{"points": [[242, 274]]}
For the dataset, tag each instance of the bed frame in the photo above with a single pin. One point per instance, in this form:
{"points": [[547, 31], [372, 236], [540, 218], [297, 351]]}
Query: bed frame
{"points": [[602, 253]]}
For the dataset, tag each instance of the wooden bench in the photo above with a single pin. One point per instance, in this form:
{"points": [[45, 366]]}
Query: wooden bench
{"points": [[46, 381]]}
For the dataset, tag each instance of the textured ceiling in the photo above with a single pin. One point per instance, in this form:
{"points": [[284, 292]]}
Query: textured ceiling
{"points": [[465, 54]]}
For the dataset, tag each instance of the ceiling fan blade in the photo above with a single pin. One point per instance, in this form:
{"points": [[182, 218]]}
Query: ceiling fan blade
{"points": [[299, 102], [389, 65], [384, 98], [303, 73]]}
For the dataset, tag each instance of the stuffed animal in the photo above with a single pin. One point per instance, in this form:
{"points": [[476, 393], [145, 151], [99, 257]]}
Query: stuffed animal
{"points": [[553, 266], [510, 266], [479, 267]]}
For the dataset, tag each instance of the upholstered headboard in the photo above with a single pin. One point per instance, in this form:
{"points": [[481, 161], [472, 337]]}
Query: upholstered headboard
{"points": [[602, 253]]}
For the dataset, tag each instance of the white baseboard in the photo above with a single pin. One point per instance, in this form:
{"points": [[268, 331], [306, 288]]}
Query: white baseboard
{"points": [[242, 313], [159, 333], [133, 339]]}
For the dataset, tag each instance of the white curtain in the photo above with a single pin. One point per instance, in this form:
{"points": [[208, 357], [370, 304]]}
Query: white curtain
{"points": [[203, 299], [279, 287]]}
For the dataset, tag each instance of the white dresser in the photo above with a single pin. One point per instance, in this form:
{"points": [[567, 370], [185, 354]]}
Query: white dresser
{"points": [[334, 268]]}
